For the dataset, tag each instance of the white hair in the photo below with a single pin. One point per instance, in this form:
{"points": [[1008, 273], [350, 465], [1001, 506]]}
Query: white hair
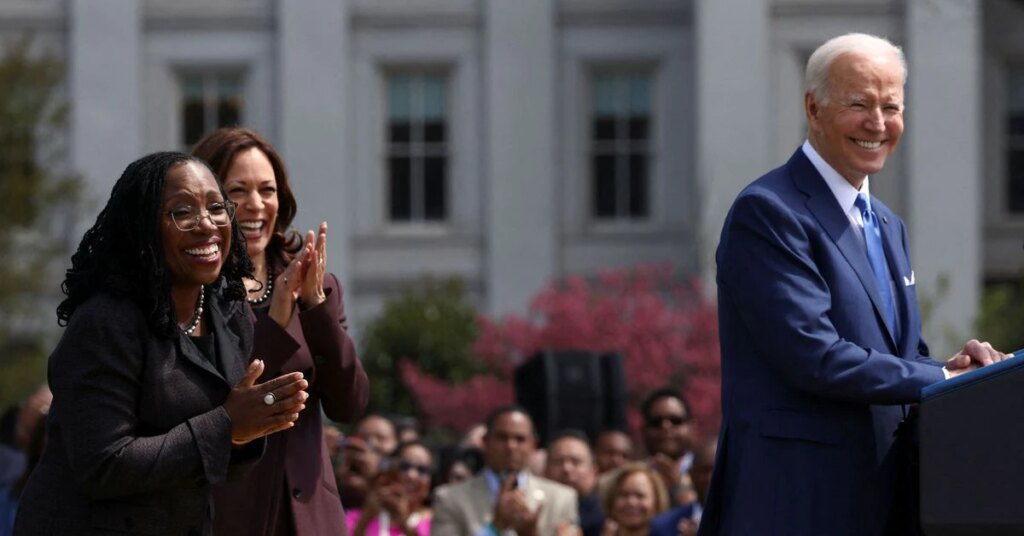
{"points": [[820, 62]]}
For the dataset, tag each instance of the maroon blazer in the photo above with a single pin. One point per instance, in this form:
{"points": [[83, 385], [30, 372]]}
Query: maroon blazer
{"points": [[293, 484]]}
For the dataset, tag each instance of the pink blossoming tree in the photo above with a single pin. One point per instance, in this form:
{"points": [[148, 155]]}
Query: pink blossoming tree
{"points": [[666, 331]]}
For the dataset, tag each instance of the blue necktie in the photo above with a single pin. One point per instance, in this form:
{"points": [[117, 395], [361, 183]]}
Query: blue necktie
{"points": [[876, 256]]}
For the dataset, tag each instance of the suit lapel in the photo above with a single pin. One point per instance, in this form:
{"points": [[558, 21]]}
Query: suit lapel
{"points": [[189, 350], [898, 267], [227, 341], [481, 499], [823, 205]]}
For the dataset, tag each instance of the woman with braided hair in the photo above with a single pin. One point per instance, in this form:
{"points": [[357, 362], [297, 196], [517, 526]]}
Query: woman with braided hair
{"points": [[154, 398]]}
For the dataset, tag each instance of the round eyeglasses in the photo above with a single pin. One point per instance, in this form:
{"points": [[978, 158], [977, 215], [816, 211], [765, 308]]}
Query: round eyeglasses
{"points": [[187, 218]]}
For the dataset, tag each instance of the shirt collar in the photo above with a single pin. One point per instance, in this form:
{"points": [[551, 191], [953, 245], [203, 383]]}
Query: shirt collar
{"points": [[843, 191], [494, 481]]}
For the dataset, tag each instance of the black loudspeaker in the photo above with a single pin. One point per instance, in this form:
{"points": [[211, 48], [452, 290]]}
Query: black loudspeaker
{"points": [[563, 389]]}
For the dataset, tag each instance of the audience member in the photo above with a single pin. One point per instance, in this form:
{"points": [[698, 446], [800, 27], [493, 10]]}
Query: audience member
{"points": [[637, 494], [153, 400], [378, 431], [613, 449], [36, 440], [407, 429], [396, 504], [301, 326], [505, 496], [459, 464], [16, 428], [571, 462], [474, 437], [359, 465], [668, 437], [685, 519]]}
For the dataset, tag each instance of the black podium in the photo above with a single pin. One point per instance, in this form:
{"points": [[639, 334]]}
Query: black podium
{"points": [[972, 453]]}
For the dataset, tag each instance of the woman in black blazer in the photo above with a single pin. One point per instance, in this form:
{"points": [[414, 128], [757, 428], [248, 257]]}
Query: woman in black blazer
{"points": [[153, 400]]}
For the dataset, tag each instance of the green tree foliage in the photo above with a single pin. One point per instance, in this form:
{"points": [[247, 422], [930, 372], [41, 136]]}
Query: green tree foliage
{"points": [[36, 202], [1001, 320], [433, 325]]}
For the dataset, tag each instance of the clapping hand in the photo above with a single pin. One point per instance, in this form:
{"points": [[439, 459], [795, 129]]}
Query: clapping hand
{"points": [[247, 405]]}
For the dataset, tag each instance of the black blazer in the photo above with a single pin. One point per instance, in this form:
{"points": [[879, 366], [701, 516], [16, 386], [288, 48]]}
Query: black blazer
{"points": [[137, 433]]}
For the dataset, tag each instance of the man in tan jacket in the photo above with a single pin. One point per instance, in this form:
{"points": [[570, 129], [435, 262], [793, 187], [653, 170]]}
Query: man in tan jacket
{"points": [[505, 498]]}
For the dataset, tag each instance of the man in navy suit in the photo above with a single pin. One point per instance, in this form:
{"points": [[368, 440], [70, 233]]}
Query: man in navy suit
{"points": [[820, 333]]}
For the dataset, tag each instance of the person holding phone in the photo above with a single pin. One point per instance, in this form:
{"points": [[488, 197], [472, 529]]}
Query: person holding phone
{"points": [[396, 504]]}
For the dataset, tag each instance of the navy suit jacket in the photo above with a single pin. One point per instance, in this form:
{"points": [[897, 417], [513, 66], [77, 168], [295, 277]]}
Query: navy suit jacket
{"points": [[813, 381]]}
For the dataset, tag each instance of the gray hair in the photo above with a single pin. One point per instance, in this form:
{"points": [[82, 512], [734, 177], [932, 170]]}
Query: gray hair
{"points": [[816, 76]]}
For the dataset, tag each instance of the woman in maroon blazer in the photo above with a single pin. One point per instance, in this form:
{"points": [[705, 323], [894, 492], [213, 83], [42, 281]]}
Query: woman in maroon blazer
{"points": [[300, 326]]}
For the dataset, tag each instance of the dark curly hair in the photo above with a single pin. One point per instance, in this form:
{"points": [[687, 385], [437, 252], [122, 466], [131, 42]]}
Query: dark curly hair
{"points": [[220, 147], [122, 253]]}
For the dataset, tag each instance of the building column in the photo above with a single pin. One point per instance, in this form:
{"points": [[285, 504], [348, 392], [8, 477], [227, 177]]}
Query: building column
{"points": [[104, 82], [944, 163], [520, 158], [734, 99], [313, 50]]}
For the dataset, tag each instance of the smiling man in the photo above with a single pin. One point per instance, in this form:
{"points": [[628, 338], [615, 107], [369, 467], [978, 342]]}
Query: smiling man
{"points": [[820, 335]]}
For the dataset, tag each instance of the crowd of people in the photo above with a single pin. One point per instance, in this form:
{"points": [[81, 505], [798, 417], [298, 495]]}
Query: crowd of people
{"points": [[499, 477]]}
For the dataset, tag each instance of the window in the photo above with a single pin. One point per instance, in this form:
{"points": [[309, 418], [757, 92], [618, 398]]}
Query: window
{"points": [[1015, 137], [210, 100], [620, 145], [417, 147]]}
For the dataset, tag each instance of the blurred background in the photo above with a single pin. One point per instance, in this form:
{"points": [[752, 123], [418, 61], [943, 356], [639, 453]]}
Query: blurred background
{"points": [[502, 177]]}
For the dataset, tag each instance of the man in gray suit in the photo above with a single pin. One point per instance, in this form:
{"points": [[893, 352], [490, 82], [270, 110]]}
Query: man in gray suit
{"points": [[505, 498]]}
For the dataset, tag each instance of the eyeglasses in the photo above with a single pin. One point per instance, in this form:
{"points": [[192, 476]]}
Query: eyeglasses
{"points": [[187, 218], [405, 466], [656, 421]]}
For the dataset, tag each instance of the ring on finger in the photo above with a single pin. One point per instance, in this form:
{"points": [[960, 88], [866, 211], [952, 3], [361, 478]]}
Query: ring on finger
{"points": [[269, 399]]}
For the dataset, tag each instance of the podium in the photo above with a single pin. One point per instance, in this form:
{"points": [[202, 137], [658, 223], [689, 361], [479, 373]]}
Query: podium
{"points": [[972, 452]]}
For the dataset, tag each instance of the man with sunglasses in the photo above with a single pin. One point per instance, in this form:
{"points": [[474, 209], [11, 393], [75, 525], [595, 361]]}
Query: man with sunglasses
{"points": [[668, 438]]}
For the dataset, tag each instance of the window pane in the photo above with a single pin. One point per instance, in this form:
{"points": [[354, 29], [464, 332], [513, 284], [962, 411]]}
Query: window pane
{"points": [[229, 100], [604, 127], [434, 131], [604, 186], [433, 98], [1016, 180], [639, 94], [400, 191], [638, 196], [638, 128], [399, 97], [434, 188], [229, 112], [399, 131], [606, 101], [193, 121]]}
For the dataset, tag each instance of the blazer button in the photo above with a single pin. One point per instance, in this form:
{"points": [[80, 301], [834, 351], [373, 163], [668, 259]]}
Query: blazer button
{"points": [[319, 359], [297, 493]]}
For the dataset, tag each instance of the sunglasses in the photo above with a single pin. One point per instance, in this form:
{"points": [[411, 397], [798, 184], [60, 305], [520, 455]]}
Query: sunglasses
{"points": [[657, 421], [405, 466]]}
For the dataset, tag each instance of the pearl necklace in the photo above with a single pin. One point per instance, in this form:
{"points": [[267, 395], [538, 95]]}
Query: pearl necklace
{"points": [[197, 316], [266, 290]]}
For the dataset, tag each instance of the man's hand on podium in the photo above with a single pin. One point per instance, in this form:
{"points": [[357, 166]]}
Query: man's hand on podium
{"points": [[975, 354]]}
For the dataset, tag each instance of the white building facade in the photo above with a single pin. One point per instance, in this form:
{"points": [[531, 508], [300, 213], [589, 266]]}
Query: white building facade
{"points": [[509, 142]]}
